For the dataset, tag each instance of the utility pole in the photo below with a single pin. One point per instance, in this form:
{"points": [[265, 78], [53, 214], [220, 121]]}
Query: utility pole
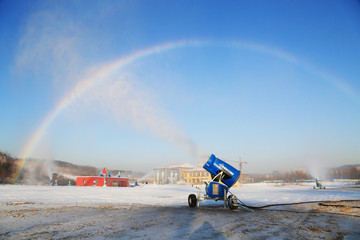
{"points": [[241, 162], [240, 165]]}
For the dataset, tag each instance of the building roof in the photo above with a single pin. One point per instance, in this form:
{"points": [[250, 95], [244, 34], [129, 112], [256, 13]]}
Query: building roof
{"points": [[179, 165], [197, 169]]}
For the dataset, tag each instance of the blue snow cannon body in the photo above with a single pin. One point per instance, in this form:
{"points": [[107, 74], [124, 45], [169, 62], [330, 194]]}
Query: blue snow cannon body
{"points": [[318, 185]]}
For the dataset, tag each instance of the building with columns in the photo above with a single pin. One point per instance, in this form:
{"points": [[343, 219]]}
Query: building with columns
{"points": [[172, 174]]}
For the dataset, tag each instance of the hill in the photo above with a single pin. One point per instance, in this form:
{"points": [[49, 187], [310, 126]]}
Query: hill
{"points": [[40, 171]]}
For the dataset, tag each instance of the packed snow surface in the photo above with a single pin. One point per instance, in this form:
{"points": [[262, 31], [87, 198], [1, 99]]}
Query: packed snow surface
{"points": [[162, 212], [171, 195]]}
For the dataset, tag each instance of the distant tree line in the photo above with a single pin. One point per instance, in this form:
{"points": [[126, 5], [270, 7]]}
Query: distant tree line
{"points": [[35, 171], [345, 172], [9, 168], [75, 170], [351, 172], [292, 175], [285, 176]]}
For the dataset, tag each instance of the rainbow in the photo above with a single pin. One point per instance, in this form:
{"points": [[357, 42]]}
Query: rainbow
{"points": [[85, 84], [102, 72]]}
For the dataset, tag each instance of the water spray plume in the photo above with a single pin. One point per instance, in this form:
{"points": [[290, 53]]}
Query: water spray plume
{"points": [[93, 77], [317, 169], [149, 174], [128, 101]]}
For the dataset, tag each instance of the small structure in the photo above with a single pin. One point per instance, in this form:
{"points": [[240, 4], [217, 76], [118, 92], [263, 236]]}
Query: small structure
{"points": [[103, 180]]}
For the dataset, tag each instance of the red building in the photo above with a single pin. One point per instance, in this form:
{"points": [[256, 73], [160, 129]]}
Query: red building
{"points": [[100, 180]]}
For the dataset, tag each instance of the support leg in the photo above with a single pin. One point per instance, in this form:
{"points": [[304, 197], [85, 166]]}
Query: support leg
{"points": [[198, 198]]}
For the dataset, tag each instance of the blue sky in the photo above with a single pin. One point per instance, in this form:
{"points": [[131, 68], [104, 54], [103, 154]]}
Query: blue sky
{"points": [[274, 82]]}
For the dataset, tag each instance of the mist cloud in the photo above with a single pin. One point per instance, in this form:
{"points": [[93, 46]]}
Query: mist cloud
{"points": [[131, 104]]}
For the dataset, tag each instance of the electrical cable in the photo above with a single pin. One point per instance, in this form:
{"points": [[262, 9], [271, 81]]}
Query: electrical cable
{"points": [[322, 203]]}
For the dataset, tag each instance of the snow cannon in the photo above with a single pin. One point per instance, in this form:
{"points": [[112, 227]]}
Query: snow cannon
{"points": [[318, 183], [215, 166], [223, 177]]}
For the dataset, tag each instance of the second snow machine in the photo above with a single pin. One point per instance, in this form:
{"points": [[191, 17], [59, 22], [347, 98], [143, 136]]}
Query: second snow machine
{"points": [[318, 185], [223, 177]]}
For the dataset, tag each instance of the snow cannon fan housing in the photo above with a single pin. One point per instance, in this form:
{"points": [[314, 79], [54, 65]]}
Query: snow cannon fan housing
{"points": [[215, 165], [216, 190]]}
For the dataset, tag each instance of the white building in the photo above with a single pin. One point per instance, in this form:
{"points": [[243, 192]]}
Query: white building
{"points": [[172, 174]]}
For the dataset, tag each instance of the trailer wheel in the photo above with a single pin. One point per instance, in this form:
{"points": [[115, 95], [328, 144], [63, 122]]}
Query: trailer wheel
{"points": [[192, 200], [232, 202]]}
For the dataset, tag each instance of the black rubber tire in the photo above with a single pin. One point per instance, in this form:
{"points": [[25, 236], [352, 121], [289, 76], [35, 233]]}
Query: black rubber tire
{"points": [[192, 200], [230, 202]]}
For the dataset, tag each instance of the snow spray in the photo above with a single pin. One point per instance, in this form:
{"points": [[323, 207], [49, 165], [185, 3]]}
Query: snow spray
{"points": [[147, 175], [317, 169], [131, 103], [50, 171]]}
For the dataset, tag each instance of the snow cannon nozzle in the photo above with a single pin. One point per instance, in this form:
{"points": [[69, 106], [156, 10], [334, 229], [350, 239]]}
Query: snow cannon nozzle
{"points": [[215, 166]]}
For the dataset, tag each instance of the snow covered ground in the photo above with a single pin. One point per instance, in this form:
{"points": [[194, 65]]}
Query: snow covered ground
{"points": [[162, 212]]}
